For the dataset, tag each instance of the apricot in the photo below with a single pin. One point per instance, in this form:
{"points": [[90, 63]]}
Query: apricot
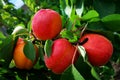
{"points": [[99, 49], [21, 61], [61, 56], [46, 24]]}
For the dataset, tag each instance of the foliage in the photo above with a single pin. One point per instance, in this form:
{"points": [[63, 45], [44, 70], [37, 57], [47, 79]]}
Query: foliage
{"points": [[99, 16]]}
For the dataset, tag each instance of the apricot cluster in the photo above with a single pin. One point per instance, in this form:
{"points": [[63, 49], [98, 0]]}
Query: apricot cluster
{"points": [[46, 25]]}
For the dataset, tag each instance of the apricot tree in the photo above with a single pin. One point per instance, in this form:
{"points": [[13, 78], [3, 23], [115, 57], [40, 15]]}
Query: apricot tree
{"points": [[60, 40]]}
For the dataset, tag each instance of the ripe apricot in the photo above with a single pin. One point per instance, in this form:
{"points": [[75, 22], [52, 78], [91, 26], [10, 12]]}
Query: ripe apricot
{"points": [[61, 56], [99, 49], [21, 61], [46, 24]]}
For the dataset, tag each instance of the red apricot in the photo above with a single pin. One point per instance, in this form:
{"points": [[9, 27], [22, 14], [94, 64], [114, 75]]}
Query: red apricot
{"points": [[61, 56], [46, 24], [99, 49]]}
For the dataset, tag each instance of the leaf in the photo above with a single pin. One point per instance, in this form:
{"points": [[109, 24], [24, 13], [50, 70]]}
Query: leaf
{"points": [[19, 30], [31, 4], [41, 53], [69, 25], [94, 20], [104, 7], [112, 22], [90, 14], [48, 47], [79, 7], [3, 71], [6, 51], [62, 6], [69, 35], [68, 11], [2, 35], [82, 51], [29, 51], [71, 74], [94, 74]]}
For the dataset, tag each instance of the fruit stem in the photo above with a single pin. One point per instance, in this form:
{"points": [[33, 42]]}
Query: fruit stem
{"points": [[83, 42], [83, 30], [75, 52]]}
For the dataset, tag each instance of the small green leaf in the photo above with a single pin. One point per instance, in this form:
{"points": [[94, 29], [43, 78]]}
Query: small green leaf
{"points": [[79, 7], [48, 47], [68, 11], [29, 51], [94, 74], [94, 20], [71, 74], [90, 14], [2, 35], [69, 25], [82, 51], [104, 7], [6, 50], [19, 30], [62, 7], [41, 53], [112, 22], [69, 35], [3, 71]]}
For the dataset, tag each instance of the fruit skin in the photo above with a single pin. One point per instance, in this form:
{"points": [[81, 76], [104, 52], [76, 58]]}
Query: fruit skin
{"points": [[46, 24], [61, 56], [21, 61], [99, 49]]}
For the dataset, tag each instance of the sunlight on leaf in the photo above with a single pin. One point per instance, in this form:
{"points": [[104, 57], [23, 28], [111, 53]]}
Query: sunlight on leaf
{"points": [[82, 51], [72, 74]]}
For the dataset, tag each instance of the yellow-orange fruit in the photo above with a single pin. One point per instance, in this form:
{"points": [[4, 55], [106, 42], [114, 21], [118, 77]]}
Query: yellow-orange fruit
{"points": [[21, 61]]}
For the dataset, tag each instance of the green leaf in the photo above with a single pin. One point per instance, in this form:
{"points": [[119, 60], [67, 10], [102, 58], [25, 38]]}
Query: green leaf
{"points": [[90, 14], [104, 7], [112, 22], [71, 74], [6, 51], [48, 47], [68, 11], [69, 35], [79, 7], [29, 51], [94, 20], [19, 30], [62, 7], [41, 53], [82, 51], [69, 25], [2, 35], [94, 74], [3, 71], [31, 4]]}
